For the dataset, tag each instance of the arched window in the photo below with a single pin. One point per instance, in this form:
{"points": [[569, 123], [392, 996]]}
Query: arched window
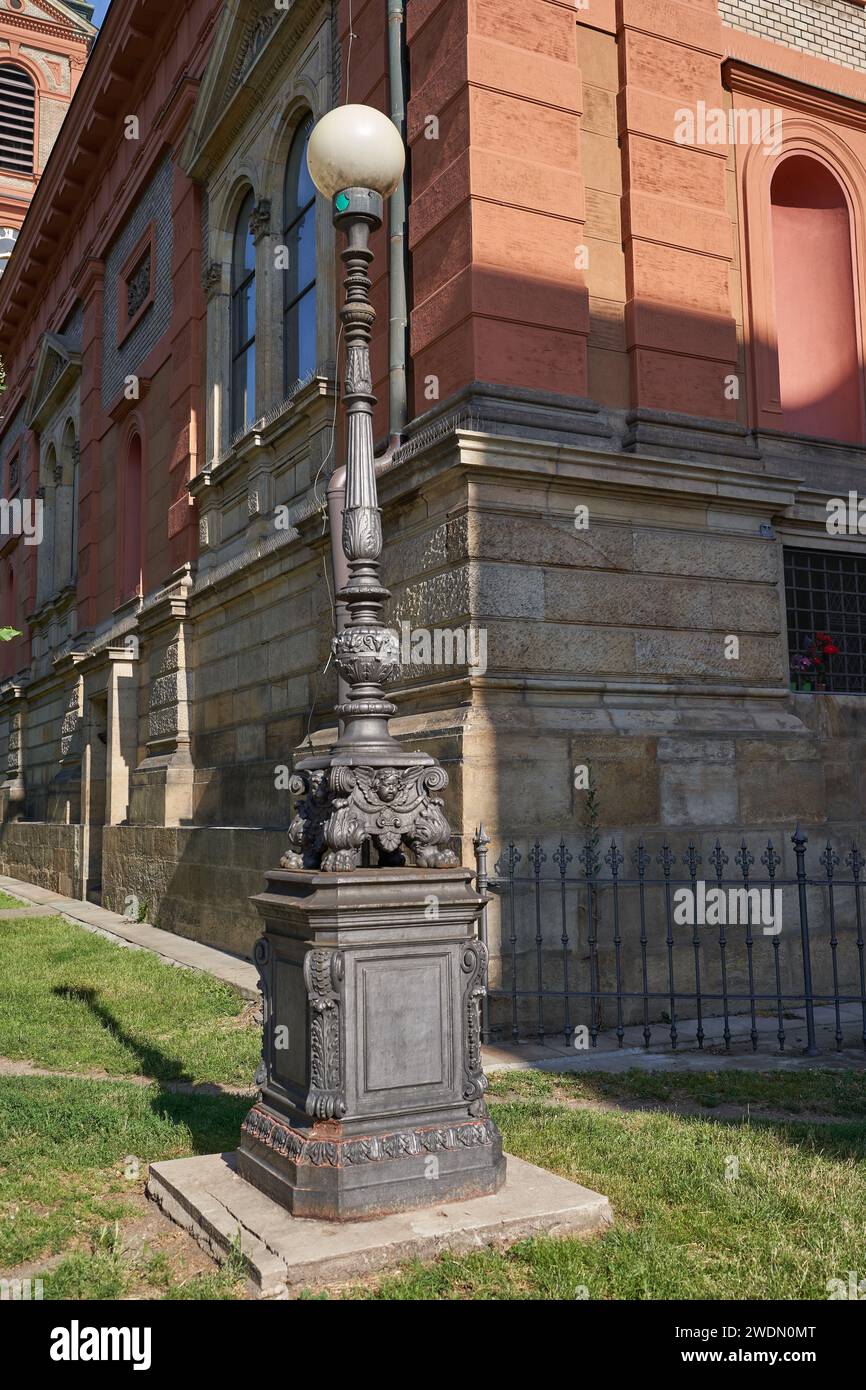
{"points": [[130, 537], [299, 281], [17, 119], [47, 573], [69, 475], [243, 321], [10, 606], [816, 318]]}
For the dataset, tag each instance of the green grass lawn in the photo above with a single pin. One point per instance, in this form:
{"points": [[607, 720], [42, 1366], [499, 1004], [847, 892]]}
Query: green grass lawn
{"points": [[72, 1001], [809, 1091], [726, 1184], [67, 1186], [6, 901], [705, 1209]]}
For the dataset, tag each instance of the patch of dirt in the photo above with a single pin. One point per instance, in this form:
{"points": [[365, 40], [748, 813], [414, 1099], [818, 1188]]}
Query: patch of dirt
{"points": [[145, 1234], [251, 1015], [728, 1110], [12, 1067]]}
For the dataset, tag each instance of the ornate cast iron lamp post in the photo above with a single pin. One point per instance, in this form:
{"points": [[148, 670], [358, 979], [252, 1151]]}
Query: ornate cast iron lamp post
{"points": [[372, 1091], [368, 789]]}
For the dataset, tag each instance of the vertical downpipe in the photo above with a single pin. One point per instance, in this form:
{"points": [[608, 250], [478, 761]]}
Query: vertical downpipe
{"points": [[397, 269]]}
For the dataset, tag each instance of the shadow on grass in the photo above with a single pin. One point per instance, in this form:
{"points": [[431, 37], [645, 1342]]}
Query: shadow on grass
{"points": [[212, 1116], [839, 1139], [214, 1122]]}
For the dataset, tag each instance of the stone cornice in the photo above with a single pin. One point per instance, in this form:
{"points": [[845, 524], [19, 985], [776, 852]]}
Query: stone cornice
{"points": [[15, 688], [230, 90], [780, 90], [51, 387], [555, 465], [126, 47], [166, 609], [56, 606], [65, 25], [175, 114]]}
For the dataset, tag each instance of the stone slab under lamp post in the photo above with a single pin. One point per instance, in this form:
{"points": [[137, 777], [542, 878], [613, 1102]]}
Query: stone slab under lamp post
{"points": [[372, 1091]]}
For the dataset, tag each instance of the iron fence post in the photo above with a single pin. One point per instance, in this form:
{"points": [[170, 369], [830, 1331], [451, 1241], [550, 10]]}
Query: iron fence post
{"points": [[481, 843], [800, 841]]}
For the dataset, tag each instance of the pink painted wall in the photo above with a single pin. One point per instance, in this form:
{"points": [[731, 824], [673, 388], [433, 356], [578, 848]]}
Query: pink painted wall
{"points": [[816, 323]]}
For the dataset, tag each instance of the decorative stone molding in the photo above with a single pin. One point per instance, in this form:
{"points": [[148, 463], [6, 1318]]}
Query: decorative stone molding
{"points": [[260, 219], [13, 788], [212, 278], [225, 98], [257, 36], [138, 287], [71, 724], [58, 367]]}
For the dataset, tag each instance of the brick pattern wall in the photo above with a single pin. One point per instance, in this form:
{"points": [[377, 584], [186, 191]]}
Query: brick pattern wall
{"points": [[73, 328], [52, 113], [153, 206], [832, 29]]}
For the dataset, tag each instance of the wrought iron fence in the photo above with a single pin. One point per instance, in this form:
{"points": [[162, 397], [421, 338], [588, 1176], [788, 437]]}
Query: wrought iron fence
{"points": [[634, 937]]}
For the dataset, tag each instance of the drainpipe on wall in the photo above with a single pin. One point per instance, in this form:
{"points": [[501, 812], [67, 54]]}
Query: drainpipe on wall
{"points": [[398, 321], [397, 268]]}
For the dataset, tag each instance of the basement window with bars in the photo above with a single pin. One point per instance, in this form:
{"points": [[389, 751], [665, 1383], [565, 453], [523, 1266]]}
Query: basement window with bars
{"points": [[17, 119], [825, 594]]}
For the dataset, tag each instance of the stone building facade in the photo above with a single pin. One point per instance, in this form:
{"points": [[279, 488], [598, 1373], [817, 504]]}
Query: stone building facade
{"points": [[43, 49], [635, 380]]}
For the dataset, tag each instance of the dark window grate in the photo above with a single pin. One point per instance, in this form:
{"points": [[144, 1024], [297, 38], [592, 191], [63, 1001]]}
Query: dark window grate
{"points": [[826, 592]]}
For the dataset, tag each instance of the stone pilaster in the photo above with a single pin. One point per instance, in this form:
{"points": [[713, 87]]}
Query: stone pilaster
{"points": [[13, 791], [162, 785]]}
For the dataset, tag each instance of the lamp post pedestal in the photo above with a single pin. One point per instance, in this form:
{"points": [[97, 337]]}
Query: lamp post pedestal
{"points": [[372, 1092]]}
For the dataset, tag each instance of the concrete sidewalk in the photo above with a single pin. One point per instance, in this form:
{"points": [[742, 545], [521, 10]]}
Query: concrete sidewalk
{"points": [[176, 950], [607, 1055]]}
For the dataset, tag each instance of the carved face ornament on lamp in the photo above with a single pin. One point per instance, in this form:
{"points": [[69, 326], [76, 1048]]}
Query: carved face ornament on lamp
{"points": [[368, 790]]}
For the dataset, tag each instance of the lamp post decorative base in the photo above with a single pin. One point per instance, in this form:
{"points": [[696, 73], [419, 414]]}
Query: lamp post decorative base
{"points": [[340, 807], [372, 1090]]}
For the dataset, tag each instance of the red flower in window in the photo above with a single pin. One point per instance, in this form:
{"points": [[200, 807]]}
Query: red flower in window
{"points": [[821, 648]]}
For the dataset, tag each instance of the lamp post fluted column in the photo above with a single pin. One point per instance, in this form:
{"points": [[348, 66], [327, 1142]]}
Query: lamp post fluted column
{"points": [[368, 790]]}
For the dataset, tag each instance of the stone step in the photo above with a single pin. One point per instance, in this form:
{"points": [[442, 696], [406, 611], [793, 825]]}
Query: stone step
{"points": [[283, 1254]]}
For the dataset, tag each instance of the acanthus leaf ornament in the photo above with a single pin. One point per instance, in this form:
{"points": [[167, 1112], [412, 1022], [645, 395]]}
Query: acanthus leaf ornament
{"points": [[323, 976]]}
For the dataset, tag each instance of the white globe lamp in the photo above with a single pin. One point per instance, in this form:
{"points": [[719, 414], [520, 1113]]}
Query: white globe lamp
{"points": [[355, 147]]}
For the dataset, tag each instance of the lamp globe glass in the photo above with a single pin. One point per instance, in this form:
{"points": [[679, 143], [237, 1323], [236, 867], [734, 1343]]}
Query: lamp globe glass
{"points": [[355, 147]]}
